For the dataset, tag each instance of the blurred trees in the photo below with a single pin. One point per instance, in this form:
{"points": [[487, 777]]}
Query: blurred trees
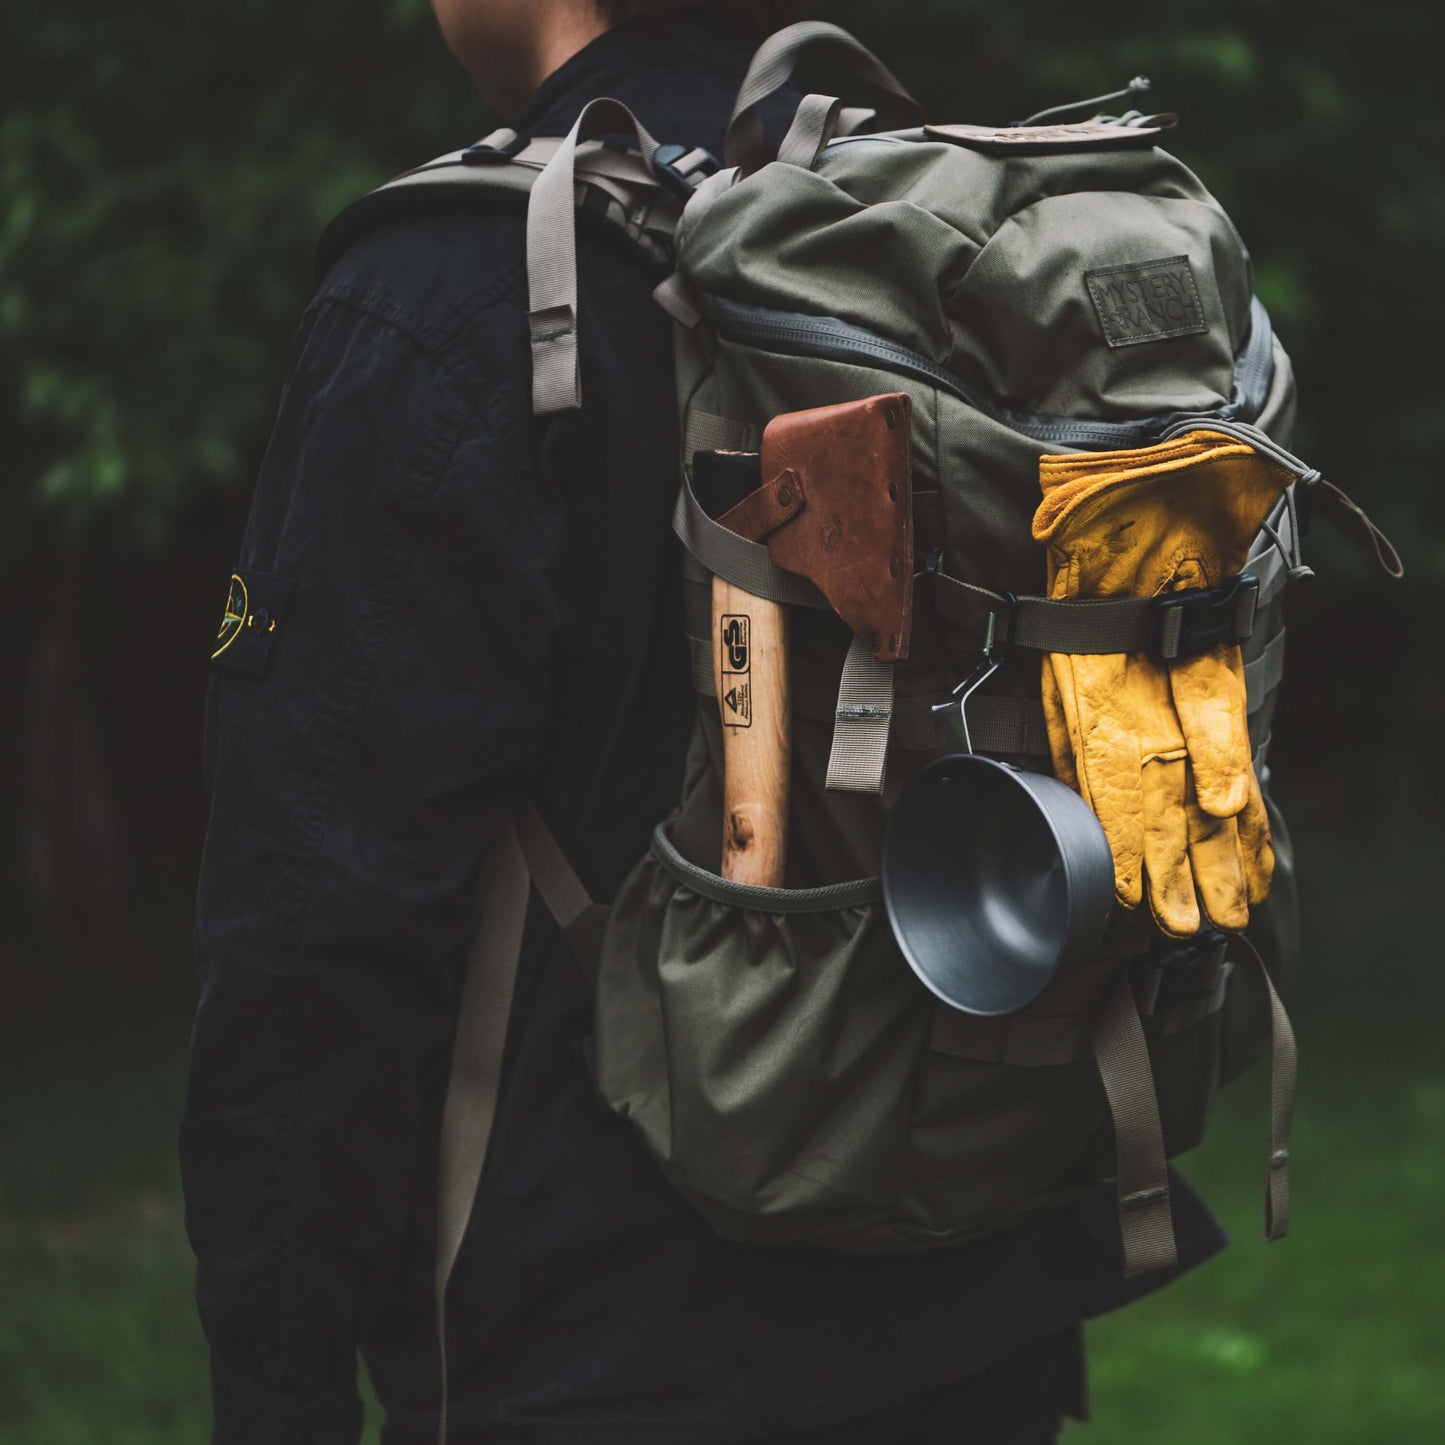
{"points": [[1319, 126], [165, 168]]}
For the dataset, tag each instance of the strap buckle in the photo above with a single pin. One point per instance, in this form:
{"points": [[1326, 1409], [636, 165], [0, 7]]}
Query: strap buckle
{"points": [[680, 169], [482, 154], [1184, 624]]}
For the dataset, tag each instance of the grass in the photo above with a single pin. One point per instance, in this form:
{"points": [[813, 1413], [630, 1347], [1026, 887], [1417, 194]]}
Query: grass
{"points": [[1335, 1335], [99, 1341]]}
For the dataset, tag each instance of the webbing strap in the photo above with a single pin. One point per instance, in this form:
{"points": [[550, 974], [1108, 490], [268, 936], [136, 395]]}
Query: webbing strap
{"points": [[552, 258], [1283, 1078], [1146, 1221], [476, 1069], [997, 724], [524, 853], [703, 680], [745, 564], [854, 119], [859, 755], [596, 161], [675, 297], [812, 128], [624, 175], [1106, 624], [772, 67], [1263, 675], [1088, 625], [704, 432]]}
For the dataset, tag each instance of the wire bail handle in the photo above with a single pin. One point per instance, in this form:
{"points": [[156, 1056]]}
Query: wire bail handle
{"points": [[995, 654]]}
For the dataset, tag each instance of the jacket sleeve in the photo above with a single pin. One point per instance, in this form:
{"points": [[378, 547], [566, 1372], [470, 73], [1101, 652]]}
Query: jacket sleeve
{"points": [[369, 725]]}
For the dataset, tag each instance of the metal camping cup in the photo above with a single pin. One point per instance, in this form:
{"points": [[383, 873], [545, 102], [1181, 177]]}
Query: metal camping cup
{"points": [[993, 878]]}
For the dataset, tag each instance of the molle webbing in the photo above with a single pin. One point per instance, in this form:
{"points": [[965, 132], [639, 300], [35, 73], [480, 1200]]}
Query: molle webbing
{"points": [[1124, 624]]}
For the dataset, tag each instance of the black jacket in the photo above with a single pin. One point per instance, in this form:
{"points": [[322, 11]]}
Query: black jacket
{"points": [[444, 606]]}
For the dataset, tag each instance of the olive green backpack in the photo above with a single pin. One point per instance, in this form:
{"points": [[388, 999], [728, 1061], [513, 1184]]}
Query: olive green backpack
{"points": [[1061, 285], [778, 1058]]}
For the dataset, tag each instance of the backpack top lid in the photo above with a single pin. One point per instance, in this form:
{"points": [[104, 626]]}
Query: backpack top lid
{"points": [[1037, 280]]}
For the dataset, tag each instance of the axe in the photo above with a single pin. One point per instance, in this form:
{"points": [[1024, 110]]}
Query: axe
{"points": [[830, 495]]}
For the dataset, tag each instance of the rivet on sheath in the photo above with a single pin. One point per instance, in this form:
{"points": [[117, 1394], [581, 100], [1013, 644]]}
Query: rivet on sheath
{"points": [[891, 417], [893, 566], [892, 491], [785, 496]]}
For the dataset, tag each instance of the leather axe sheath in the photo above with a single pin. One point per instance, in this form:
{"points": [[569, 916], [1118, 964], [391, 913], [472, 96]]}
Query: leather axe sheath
{"points": [[830, 495]]}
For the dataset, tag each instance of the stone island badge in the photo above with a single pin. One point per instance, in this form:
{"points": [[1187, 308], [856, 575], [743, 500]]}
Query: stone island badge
{"points": [[234, 617], [250, 621]]}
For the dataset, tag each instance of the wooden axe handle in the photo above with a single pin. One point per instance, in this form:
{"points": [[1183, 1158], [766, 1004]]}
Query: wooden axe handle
{"points": [[750, 667]]}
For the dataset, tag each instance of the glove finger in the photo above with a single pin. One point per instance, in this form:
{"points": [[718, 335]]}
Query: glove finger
{"points": [[1056, 723], [1255, 844], [1166, 847], [1109, 763], [1218, 866], [1209, 700]]}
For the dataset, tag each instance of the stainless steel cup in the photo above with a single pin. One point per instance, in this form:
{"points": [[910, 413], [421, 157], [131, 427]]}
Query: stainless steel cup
{"points": [[994, 879]]}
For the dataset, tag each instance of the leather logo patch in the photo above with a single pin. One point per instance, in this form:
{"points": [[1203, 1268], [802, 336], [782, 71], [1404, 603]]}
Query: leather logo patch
{"points": [[1147, 301]]}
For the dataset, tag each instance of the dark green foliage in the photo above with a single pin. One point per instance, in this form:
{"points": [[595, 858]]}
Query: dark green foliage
{"points": [[166, 167], [1319, 128]]}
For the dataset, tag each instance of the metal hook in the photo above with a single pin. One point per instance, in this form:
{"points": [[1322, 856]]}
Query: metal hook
{"points": [[995, 653], [966, 690]]}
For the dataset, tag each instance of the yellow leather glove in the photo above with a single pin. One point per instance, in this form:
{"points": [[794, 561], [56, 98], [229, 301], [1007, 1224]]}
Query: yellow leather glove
{"points": [[1160, 750]]}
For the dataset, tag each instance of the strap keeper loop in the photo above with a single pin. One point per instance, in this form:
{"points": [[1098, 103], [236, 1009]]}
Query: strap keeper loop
{"points": [[552, 323], [1143, 1198]]}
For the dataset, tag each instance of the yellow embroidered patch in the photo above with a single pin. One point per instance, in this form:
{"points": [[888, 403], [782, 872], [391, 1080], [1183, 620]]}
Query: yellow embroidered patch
{"points": [[238, 606]]}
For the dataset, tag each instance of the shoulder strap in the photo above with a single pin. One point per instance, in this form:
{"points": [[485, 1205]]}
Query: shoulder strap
{"points": [[552, 252], [500, 171], [524, 855]]}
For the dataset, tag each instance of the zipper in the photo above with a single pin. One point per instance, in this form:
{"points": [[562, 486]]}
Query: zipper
{"points": [[830, 339]]}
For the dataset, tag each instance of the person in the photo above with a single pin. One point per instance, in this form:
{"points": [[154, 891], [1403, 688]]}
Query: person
{"points": [[446, 630]]}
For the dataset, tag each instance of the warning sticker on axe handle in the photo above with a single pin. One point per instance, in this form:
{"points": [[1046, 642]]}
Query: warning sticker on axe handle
{"points": [[737, 668]]}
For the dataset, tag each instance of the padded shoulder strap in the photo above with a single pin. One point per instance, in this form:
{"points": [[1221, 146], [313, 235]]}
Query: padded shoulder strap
{"points": [[501, 170]]}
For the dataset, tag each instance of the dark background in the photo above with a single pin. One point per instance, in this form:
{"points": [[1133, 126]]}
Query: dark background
{"points": [[164, 170]]}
